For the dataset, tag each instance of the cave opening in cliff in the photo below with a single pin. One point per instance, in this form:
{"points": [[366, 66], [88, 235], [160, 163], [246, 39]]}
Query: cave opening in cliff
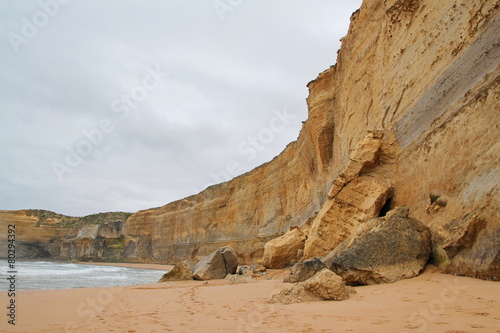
{"points": [[385, 208]]}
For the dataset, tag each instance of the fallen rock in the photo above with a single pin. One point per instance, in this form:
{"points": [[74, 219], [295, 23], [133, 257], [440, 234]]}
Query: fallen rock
{"points": [[181, 271], [359, 200], [469, 245], [325, 285], [216, 265], [236, 279], [257, 268], [382, 251], [328, 286], [304, 270], [282, 251], [296, 294], [364, 156], [230, 259], [244, 269]]}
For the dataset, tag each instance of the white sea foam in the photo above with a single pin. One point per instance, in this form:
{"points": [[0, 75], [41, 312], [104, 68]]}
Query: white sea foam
{"points": [[35, 275]]}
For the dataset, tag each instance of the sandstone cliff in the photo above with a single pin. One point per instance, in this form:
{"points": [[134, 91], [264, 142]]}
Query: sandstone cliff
{"points": [[424, 76]]}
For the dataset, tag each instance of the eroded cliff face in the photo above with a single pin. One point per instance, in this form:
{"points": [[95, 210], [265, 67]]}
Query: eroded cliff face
{"points": [[424, 76], [42, 234]]}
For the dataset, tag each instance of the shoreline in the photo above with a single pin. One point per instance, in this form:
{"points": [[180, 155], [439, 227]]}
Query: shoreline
{"points": [[431, 302], [159, 267]]}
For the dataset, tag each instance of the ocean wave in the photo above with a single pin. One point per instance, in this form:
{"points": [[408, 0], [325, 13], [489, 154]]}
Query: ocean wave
{"points": [[52, 275]]}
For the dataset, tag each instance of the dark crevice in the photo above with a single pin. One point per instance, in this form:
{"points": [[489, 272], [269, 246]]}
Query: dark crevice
{"points": [[386, 208]]}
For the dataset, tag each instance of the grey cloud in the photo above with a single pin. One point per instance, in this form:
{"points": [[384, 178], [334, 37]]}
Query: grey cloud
{"points": [[224, 80]]}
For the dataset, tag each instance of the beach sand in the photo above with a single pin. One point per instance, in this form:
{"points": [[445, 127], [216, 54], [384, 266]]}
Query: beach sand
{"points": [[432, 302]]}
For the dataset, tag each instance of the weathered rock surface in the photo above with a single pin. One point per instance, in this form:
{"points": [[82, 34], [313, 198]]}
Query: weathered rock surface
{"points": [[440, 134], [182, 271], [382, 251], [255, 270], [237, 279], [304, 270], [325, 285], [362, 198], [365, 156], [295, 294], [216, 265], [282, 251], [472, 242], [244, 270]]}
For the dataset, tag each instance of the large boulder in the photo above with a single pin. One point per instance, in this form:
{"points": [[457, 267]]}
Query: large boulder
{"points": [[325, 285], [304, 270], [230, 259], [469, 245], [282, 251], [382, 250], [296, 294], [216, 265], [181, 271]]}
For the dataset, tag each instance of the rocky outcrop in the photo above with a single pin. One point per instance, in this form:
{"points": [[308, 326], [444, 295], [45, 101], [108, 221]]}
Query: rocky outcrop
{"points": [[252, 270], [302, 271], [282, 251], [327, 285], [362, 198], [351, 200], [237, 278], [440, 133], [216, 265], [182, 271], [471, 242], [46, 234], [323, 286], [382, 250], [364, 157]]}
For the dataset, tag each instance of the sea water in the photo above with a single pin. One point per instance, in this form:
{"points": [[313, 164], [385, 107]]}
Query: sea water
{"points": [[46, 275]]}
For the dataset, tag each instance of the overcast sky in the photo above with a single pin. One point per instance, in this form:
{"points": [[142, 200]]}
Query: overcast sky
{"points": [[123, 105]]}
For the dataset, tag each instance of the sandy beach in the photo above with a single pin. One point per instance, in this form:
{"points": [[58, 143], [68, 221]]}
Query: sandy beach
{"points": [[432, 302]]}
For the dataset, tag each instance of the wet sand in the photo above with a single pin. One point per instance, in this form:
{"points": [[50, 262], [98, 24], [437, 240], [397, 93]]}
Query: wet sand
{"points": [[159, 267]]}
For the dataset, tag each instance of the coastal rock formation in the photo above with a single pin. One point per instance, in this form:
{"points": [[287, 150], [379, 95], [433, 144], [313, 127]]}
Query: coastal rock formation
{"points": [[365, 156], [46, 234], [282, 251], [237, 279], [295, 294], [352, 199], [182, 271], [216, 265], [323, 286], [361, 199], [382, 251], [327, 285], [440, 134], [302, 271], [254, 270], [470, 246]]}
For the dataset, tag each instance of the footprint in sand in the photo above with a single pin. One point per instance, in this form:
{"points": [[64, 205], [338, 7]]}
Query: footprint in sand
{"points": [[484, 314], [412, 326], [475, 326]]}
